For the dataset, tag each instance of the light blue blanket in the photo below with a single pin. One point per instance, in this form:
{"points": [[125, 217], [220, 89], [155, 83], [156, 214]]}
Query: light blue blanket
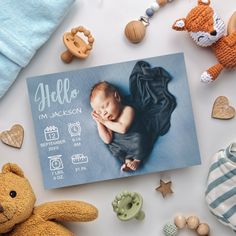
{"points": [[24, 26]]}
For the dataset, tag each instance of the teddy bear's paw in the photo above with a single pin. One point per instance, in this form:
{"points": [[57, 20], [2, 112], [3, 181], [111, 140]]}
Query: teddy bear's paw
{"points": [[206, 77]]}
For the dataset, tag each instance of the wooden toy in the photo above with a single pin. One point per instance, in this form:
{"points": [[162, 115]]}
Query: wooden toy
{"points": [[76, 46], [232, 24], [135, 30], [180, 221], [128, 205], [165, 188], [192, 222], [222, 110], [13, 137]]}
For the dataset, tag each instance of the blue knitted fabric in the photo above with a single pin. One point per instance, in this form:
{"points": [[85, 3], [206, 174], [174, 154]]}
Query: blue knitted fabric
{"points": [[24, 26]]}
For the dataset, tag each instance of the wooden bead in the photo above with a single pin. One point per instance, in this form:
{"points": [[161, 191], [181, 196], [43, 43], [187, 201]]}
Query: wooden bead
{"points": [[81, 29], [162, 2], [74, 31], [180, 221], [135, 31], [86, 32], [90, 39], [192, 222], [203, 229]]}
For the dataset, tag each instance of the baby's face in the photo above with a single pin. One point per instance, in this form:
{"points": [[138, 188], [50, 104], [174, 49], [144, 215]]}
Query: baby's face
{"points": [[108, 107]]}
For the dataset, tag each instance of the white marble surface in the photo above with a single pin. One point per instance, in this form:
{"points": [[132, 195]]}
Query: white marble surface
{"points": [[106, 20]]}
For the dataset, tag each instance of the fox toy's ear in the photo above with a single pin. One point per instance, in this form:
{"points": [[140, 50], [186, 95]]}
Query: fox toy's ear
{"points": [[179, 25], [204, 2]]}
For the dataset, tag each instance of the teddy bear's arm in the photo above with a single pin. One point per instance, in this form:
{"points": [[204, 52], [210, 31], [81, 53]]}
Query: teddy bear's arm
{"points": [[231, 39], [66, 211]]}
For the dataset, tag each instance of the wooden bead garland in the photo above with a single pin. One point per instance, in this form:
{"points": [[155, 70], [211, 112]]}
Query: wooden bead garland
{"points": [[192, 222], [135, 30]]}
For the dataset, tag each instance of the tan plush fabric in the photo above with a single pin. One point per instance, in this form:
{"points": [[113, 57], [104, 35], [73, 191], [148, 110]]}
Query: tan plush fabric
{"points": [[19, 217]]}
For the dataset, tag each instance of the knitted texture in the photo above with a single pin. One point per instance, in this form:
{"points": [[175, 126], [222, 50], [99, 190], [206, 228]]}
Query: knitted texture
{"points": [[200, 19], [221, 182], [19, 217], [24, 27], [225, 50], [170, 229], [207, 29]]}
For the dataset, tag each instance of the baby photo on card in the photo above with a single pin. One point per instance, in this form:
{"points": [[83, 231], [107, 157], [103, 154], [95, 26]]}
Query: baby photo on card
{"points": [[113, 121]]}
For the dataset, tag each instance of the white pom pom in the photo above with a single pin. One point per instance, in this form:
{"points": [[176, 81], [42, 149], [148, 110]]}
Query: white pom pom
{"points": [[155, 6]]}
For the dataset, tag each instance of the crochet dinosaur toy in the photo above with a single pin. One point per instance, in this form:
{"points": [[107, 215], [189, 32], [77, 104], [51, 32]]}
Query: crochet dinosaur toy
{"points": [[207, 30], [19, 217]]}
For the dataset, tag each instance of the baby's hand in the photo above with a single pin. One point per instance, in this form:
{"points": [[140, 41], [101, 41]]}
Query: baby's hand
{"points": [[97, 117]]}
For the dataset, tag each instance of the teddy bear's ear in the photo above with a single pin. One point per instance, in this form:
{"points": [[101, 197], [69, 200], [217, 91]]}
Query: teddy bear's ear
{"points": [[179, 25], [10, 167], [204, 2]]}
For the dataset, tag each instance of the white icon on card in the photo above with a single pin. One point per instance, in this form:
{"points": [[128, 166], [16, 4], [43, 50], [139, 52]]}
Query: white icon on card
{"points": [[74, 129], [79, 159], [56, 162], [51, 133]]}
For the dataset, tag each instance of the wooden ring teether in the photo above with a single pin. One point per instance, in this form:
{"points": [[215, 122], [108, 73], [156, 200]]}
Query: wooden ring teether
{"points": [[76, 46], [232, 24]]}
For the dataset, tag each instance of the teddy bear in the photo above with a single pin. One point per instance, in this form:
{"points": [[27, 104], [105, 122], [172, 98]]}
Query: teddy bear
{"points": [[207, 29], [19, 216]]}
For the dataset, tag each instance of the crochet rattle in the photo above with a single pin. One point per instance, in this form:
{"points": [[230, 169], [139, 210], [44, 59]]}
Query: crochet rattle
{"points": [[191, 222], [135, 30], [128, 205], [76, 46], [207, 30]]}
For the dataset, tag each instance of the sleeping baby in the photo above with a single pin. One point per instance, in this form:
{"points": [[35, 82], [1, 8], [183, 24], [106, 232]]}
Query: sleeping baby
{"points": [[131, 125], [117, 125]]}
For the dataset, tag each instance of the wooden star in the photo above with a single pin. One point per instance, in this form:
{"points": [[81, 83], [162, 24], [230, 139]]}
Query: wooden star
{"points": [[165, 188]]}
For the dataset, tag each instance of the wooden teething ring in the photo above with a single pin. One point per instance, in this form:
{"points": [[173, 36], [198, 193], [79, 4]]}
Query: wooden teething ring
{"points": [[76, 46], [232, 24]]}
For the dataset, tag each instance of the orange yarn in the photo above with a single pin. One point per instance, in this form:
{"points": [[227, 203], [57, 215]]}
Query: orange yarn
{"points": [[225, 50], [201, 22], [200, 18]]}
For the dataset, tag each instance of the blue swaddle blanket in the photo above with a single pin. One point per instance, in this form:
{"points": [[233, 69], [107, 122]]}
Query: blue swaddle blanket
{"points": [[154, 104], [25, 25]]}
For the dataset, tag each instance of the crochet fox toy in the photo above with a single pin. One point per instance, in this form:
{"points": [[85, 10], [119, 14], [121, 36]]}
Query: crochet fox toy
{"points": [[207, 30]]}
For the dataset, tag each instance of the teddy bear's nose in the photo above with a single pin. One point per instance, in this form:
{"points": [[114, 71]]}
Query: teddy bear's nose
{"points": [[1, 208]]}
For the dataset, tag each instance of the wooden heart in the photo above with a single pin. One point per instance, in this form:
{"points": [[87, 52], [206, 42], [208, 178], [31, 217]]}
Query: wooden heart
{"points": [[13, 137], [222, 110]]}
